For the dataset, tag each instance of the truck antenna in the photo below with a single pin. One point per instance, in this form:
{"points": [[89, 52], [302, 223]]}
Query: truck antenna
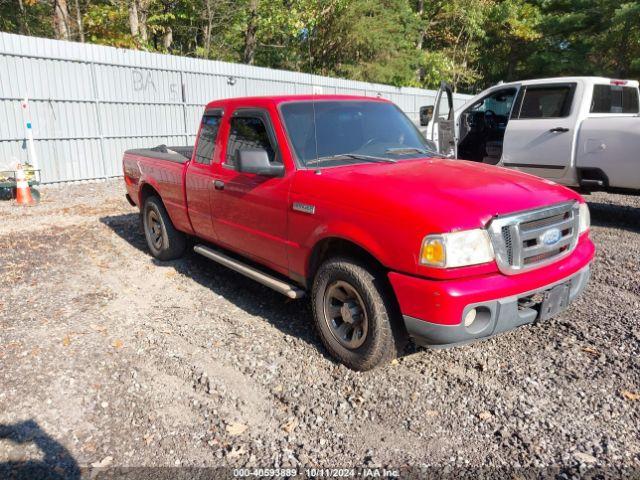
{"points": [[313, 90]]}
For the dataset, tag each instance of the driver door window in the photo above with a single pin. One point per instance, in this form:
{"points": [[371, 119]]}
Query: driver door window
{"points": [[248, 133], [498, 103]]}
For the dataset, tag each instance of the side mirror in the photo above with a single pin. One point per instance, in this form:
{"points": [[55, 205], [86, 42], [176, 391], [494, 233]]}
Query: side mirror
{"points": [[426, 113], [257, 161]]}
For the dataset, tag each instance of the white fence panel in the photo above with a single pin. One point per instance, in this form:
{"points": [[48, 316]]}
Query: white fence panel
{"points": [[89, 103]]}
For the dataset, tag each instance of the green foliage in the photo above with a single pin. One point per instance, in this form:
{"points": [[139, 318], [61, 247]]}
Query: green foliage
{"points": [[469, 43], [106, 24]]}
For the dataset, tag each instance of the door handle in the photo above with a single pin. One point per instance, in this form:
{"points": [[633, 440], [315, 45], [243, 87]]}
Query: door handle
{"points": [[218, 184], [559, 130]]}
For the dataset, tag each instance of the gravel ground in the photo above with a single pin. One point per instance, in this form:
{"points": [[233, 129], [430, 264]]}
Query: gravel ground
{"points": [[109, 358]]}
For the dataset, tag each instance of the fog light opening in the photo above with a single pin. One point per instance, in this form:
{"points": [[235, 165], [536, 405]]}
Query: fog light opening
{"points": [[470, 317], [477, 319]]}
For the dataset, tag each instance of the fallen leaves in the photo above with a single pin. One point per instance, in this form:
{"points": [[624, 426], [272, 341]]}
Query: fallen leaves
{"points": [[236, 429], [90, 447], [290, 425], [591, 351], [105, 462], [117, 343], [584, 457], [66, 341], [485, 415], [99, 328], [630, 395]]}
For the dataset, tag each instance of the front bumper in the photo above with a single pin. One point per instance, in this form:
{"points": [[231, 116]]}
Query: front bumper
{"points": [[496, 316], [433, 310]]}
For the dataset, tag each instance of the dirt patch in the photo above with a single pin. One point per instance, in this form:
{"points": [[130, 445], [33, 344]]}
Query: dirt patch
{"points": [[107, 355]]}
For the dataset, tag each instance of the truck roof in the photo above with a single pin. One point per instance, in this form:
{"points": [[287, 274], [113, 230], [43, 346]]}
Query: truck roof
{"points": [[586, 80], [278, 99]]}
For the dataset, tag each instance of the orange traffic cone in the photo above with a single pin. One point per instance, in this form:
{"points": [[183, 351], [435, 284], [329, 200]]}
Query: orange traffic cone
{"points": [[23, 192]]}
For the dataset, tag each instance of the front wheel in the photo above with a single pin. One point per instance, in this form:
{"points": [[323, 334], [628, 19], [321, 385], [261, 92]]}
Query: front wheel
{"points": [[355, 314], [164, 241]]}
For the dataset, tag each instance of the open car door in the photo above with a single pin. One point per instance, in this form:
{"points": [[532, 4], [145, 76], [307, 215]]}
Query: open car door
{"points": [[443, 125]]}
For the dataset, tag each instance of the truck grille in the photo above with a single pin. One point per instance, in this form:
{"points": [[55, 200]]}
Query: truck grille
{"points": [[534, 238]]}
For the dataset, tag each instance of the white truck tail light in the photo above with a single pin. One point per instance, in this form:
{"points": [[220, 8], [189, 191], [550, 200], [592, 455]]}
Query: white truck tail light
{"points": [[618, 83]]}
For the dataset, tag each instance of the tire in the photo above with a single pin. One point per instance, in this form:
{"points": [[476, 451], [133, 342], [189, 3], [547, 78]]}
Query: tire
{"points": [[367, 331], [163, 240]]}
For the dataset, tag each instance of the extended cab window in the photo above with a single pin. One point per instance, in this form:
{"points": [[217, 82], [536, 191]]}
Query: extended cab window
{"points": [[207, 139], [614, 99], [553, 101], [248, 133]]}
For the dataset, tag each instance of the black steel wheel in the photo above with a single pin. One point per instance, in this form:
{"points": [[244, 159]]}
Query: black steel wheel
{"points": [[345, 314], [356, 314], [164, 241], [156, 232]]}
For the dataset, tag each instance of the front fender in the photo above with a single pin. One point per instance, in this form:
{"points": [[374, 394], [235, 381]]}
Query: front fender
{"points": [[353, 234]]}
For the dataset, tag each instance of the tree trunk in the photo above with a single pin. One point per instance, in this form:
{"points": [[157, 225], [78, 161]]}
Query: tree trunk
{"points": [[207, 32], [250, 36], [23, 25], [513, 62], [143, 13], [79, 21], [138, 19], [422, 32], [134, 26], [61, 19], [167, 38]]}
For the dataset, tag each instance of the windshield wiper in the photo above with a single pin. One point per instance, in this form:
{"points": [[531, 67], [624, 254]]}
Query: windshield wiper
{"points": [[406, 150], [355, 156], [409, 150]]}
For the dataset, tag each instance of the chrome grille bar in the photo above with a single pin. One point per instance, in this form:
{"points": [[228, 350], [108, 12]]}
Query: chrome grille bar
{"points": [[534, 238], [536, 232]]}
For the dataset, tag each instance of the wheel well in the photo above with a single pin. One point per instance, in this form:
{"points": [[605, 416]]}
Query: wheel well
{"points": [[146, 191], [590, 174], [336, 247]]}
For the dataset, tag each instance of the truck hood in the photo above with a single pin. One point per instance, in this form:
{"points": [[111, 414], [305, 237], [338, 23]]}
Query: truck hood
{"points": [[443, 195]]}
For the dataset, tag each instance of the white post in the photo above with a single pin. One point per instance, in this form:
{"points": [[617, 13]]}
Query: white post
{"points": [[28, 129]]}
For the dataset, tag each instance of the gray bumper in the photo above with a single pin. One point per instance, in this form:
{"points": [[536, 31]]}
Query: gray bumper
{"points": [[495, 316]]}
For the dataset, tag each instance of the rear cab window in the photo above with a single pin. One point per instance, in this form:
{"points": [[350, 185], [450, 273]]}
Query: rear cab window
{"points": [[207, 137], [614, 99]]}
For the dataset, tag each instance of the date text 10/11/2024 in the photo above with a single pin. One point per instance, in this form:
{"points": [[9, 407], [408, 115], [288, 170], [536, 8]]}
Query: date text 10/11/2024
{"points": [[364, 472]]}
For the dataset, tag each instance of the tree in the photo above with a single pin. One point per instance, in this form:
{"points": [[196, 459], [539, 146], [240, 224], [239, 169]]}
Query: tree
{"points": [[61, 22], [468, 43]]}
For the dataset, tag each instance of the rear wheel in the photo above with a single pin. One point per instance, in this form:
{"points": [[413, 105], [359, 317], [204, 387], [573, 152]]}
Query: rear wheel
{"points": [[164, 241], [356, 315]]}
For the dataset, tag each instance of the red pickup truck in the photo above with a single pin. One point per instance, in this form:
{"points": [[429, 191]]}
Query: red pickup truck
{"points": [[340, 198]]}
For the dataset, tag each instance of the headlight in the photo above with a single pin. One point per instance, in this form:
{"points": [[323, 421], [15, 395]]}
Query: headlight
{"points": [[457, 249], [585, 217]]}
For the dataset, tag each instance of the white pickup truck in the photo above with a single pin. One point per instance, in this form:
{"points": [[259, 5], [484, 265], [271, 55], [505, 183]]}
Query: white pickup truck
{"points": [[582, 132]]}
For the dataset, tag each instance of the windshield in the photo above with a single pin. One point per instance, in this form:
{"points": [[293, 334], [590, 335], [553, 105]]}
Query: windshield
{"points": [[351, 132]]}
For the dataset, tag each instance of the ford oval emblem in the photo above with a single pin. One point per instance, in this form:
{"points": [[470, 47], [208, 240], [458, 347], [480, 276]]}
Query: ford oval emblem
{"points": [[551, 236]]}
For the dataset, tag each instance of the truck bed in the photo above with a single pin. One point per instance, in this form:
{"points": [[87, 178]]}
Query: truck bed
{"points": [[610, 144], [177, 154], [162, 169]]}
